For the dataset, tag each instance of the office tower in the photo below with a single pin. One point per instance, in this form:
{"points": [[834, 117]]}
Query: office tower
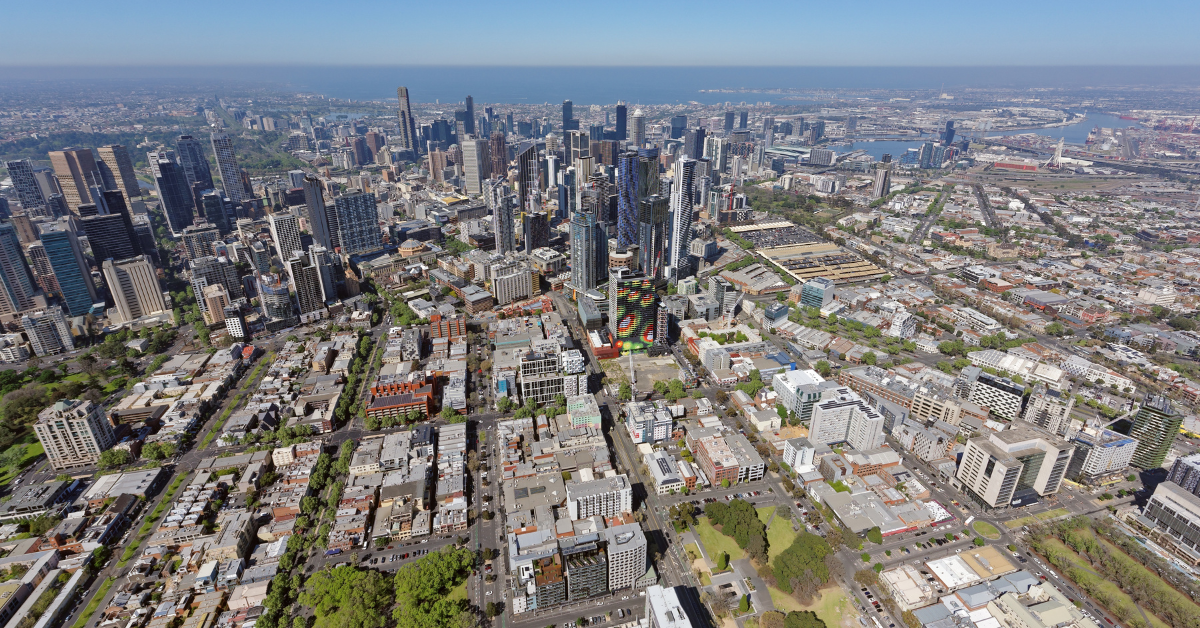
{"points": [[589, 246], [1014, 467], [198, 240], [475, 164], [693, 144], [639, 128], [1173, 512], [74, 433], [110, 236], [502, 203], [1154, 426], [276, 300], [19, 289], [596, 132], [578, 146], [407, 137], [285, 230], [1185, 472], [212, 270], [134, 286], [231, 175], [145, 235], [1101, 455], [26, 185], [843, 416], [358, 222], [728, 122], [43, 273], [948, 134], [568, 118], [260, 257], [622, 131], [321, 220], [817, 292], [528, 173], [637, 179], [153, 157], [117, 169], [626, 547], [632, 310], [215, 211], [1050, 410], [683, 193], [469, 121], [498, 148], [652, 235], [716, 150], [306, 277], [882, 184], [25, 228], [70, 268], [678, 126], [536, 231], [76, 171], [742, 117], [174, 195], [296, 178], [725, 294], [48, 331]]}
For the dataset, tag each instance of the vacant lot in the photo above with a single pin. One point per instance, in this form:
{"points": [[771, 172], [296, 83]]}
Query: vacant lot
{"points": [[832, 606]]}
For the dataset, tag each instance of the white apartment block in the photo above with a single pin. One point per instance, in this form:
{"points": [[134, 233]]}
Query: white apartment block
{"points": [[843, 416], [626, 546], [974, 319], [1079, 367], [607, 497], [74, 433]]}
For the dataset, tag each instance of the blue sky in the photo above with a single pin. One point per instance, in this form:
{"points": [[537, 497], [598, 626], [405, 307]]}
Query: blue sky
{"points": [[611, 32]]}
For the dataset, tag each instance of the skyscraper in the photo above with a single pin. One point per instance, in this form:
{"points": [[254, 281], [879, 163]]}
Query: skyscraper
{"points": [[637, 178], [1154, 427], [683, 193], [536, 231], [502, 203], [48, 331], [198, 240], [528, 173], [469, 123], [678, 126], [210, 271], [568, 117], [632, 310], [728, 122], [322, 221], [25, 183], [110, 237], [74, 433], [70, 269], [76, 171], [358, 222], [407, 136], [693, 143], [214, 211], [716, 150], [231, 175], [498, 148], [882, 184], [306, 277], [589, 246], [194, 164], [134, 286], [475, 164], [117, 168], [18, 287], [622, 130], [285, 230], [639, 128], [652, 235], [578, 146], [276, 301], [174, 195], [742, 116], [43, 273]]}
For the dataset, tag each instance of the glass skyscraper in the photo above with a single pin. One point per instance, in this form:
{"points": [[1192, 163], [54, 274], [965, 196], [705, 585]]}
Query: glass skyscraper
{"points": [[633, 309], [70, 269]]}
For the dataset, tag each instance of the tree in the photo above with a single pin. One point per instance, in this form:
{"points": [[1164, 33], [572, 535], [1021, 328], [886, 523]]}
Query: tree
{"points": [[800, 569], [491, 610], [803, 619], [423, 587], [823, 368], [113, 458], [978, 542], [875, 536], [347, 596], [869, 358], [744, 605], [625, 392], [722, 561], [722, 396], [725, 483], [660, 387]]}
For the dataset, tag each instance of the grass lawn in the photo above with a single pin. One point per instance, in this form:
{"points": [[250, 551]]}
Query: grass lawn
{"points": [[779, 537], [31, 448], [764, 514], [716, 542], [693, 552], [459, 592], [832, 606], [86, 615], [704, 579], [986, 530], [1045, 516]]}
